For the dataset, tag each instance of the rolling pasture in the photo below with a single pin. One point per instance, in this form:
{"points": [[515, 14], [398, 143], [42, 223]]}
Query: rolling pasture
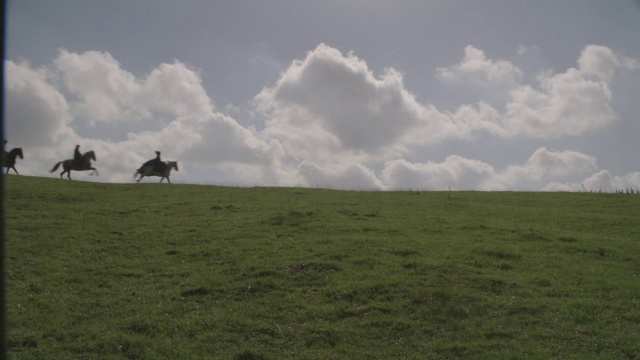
{"points": [[158, 271]]}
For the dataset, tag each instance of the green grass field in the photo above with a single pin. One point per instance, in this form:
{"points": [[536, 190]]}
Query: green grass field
{"points": [[158, 271]]}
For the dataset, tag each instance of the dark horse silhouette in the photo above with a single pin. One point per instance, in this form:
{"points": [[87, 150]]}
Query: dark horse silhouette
{"points": [[9, 159], [163, 169], [70, 164]]}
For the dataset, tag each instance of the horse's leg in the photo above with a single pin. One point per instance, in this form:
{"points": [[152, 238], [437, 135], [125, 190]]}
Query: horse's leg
{"points": [[169, 181], [14, 169]]}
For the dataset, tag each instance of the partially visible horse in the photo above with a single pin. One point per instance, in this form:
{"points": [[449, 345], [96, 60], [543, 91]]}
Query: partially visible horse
{"points": [[9, 159], [70, 164], [150, 170]]}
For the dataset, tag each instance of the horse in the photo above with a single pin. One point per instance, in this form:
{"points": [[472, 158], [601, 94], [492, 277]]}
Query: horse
{"points": [[70, 164], [151, 171], [9, 159]]}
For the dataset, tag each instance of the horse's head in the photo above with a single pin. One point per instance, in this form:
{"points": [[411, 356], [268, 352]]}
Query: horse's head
{"points": [[15, 152], [173, 164], [90, 155]]}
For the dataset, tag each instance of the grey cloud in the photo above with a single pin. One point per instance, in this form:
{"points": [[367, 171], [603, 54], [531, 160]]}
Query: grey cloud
{"points": [[329, 122], [39, 115], [177, 90], [602, 181], [341, 95], [476, 69], [330, 103], [460, 173], [102, 89], [106, 92], [601, 62], [455, 172], [36, 113], [354, 176]]}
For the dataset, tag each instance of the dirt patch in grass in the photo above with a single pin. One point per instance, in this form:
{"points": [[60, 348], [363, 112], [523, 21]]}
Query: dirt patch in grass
{"points": [[305, 269], [195, 292]]}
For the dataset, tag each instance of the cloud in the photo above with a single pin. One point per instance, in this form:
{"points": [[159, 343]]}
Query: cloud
{"points": [[103, 91], [330, 103], [527, 50], [331, 106], [545, 162], [46, 106], [328, 121], [601, 62], [605, 181], [455, 172], [477, 70], [569, 103], [36, 113], [544, 166], [354, 176], [176, 90], [459, 173], [602, 181], [563, 104]]}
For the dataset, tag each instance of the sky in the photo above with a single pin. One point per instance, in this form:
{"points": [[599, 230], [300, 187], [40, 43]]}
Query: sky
{"points": [[489, 95]]}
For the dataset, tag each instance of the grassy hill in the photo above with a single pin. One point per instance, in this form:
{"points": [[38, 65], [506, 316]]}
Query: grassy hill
{"points": [[158, 271]]}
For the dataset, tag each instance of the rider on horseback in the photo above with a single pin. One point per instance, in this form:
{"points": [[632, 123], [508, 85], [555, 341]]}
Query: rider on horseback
{"points": [[77, 157], [158, 165]]}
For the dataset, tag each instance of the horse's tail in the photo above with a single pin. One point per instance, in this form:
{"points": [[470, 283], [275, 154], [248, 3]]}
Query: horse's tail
{"points": [[138, 172], [56, 167]]}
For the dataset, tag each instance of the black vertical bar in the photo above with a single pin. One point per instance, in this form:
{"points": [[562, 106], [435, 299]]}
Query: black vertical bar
{"points": [[3, 305]]}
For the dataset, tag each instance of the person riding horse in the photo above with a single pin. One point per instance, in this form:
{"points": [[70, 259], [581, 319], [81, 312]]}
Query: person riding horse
{"points": [[157, 163], [77, 157]]}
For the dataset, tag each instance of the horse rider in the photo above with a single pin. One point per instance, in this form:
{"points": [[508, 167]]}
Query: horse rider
{"points": [[158, 165], [77, 157]]}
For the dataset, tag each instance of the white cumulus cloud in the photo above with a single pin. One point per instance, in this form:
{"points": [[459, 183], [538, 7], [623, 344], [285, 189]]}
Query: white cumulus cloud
{"points": [[354, 176], [330, 102], [103, 90], [602, 181], [600, 61], [36, 113], [46, 107], [328, 121], [476, 69], [568, 103], [456, 172], [460, 173]]}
